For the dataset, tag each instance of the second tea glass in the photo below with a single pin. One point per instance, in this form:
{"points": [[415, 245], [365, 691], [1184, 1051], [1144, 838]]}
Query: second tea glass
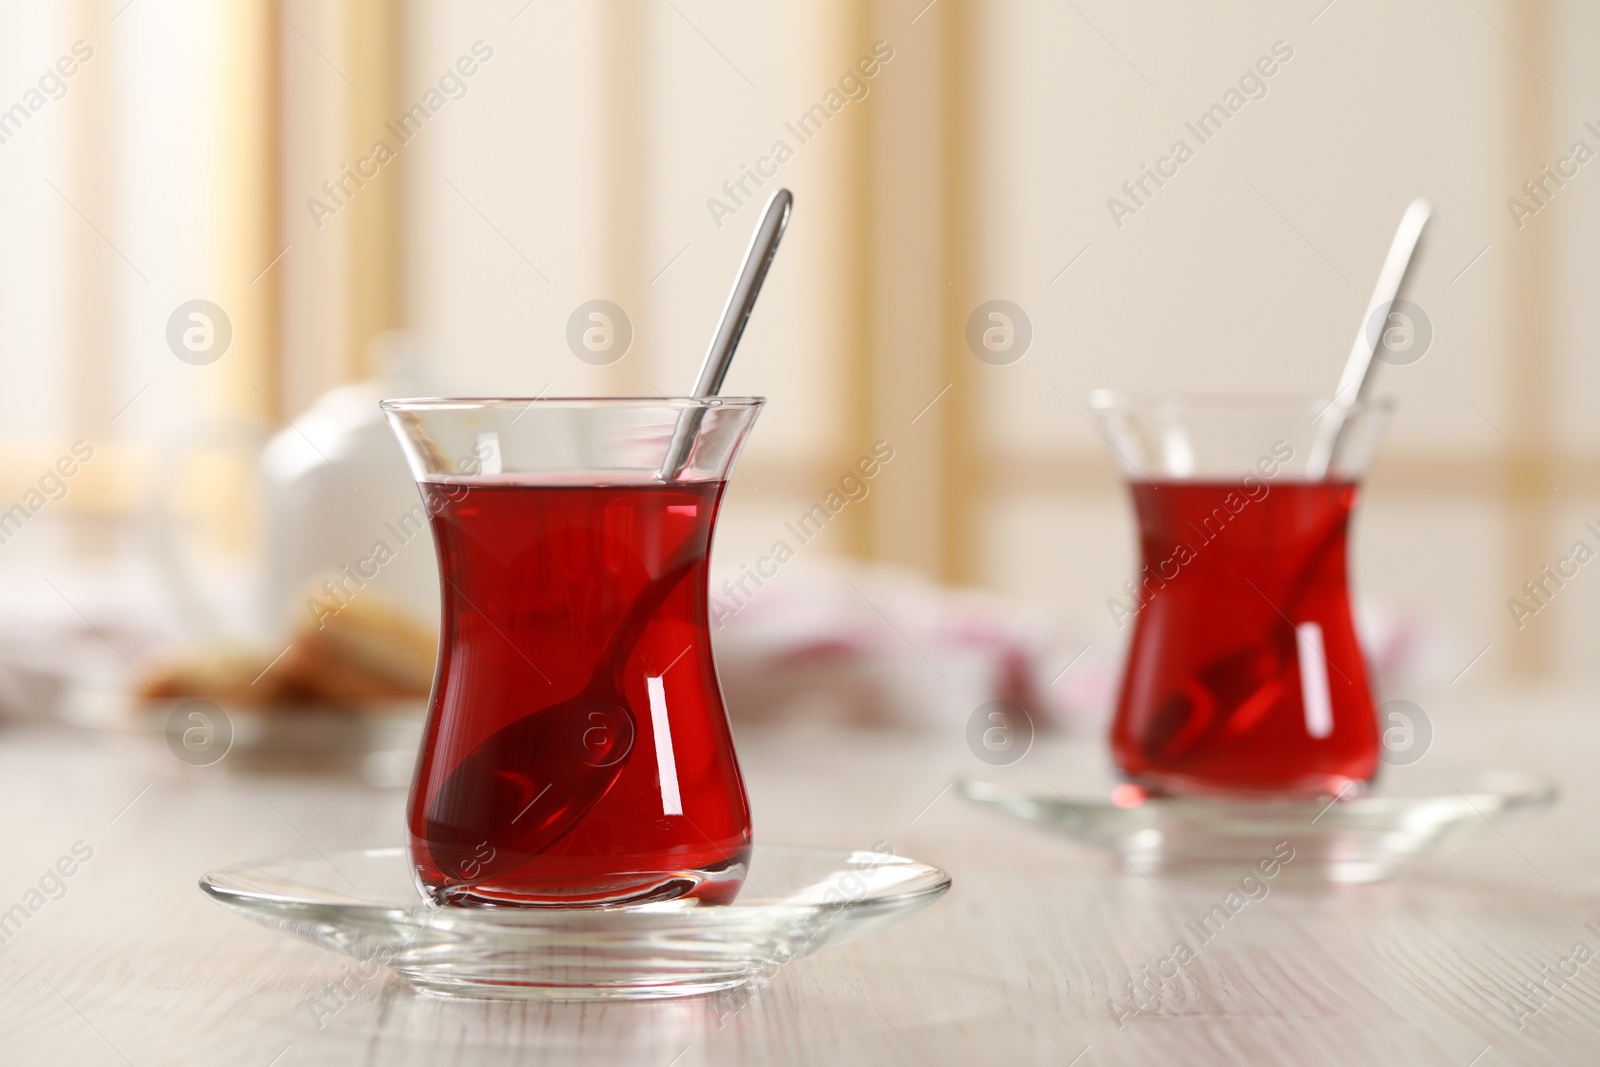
{"points": [[1244, 674]]}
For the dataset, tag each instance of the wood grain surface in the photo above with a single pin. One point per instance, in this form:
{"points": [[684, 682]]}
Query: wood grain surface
{"points": [[1027, 960]]}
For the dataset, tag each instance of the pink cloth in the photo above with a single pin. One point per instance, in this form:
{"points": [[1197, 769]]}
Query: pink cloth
{"points": [[879, 646]]}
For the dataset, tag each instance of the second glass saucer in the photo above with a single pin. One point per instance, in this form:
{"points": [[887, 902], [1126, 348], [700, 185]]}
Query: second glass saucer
{"points": [[1357, 839], [364, 904]]}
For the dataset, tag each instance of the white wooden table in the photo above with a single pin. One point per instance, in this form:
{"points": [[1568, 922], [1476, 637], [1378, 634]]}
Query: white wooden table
{"points": [[1018, 964]]}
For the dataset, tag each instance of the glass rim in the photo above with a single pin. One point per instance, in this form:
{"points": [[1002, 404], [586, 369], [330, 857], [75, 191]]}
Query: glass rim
{"points": [[1109, 400], [479, 403]]}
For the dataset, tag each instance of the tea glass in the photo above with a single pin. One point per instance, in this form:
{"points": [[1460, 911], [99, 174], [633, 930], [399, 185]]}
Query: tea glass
{"points": [[577, 751], [1244, 674]]}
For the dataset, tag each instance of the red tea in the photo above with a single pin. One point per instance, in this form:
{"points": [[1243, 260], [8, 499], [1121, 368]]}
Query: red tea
{"points": [[577, 750], [1245, 674]]}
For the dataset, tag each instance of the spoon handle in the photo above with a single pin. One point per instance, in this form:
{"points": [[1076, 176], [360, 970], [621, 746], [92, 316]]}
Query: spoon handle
{"points": [[1358, 367], [612, 658], [1391, 284], [741, 301], [742, 298]]}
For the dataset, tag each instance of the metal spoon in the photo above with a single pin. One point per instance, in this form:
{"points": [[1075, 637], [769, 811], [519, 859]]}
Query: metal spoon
{"points": [[741, 301], [533, 780], [1358, 368], [1247, 682]]}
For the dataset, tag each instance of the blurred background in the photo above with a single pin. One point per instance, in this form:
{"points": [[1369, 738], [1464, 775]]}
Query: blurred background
{"points": [[217, 213]]}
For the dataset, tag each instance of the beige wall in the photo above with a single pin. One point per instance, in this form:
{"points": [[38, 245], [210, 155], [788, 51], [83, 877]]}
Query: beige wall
{"points": [[978, 167], [578, 165]]}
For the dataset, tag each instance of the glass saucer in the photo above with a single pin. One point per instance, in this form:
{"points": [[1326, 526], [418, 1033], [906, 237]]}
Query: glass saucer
{"points": [[1366, 838], [795, 900]]}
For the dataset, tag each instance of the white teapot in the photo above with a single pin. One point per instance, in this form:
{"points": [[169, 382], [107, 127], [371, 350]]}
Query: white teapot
{"points": [[343, 518]]}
